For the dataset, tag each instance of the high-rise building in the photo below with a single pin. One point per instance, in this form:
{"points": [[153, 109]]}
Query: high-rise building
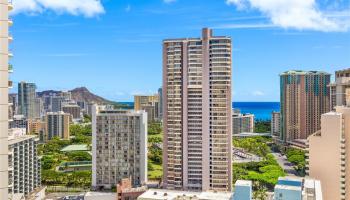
{"points": [[74, 110], [329, 154], [26, 99], [13, 105], [56, 103], [24, 164], [39, 108], [160, 104], [36, 126], [197, 147], [5, 69], [242, 123], [338, 88], [276, 124], [18, 121], [119, 147], [57, 125], [148, 103], [304, 98]]}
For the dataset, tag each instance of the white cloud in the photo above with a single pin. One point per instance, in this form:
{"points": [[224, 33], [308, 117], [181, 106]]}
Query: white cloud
{"points": [[169, 1], [258, 93], [87, 8], [295, 14]]}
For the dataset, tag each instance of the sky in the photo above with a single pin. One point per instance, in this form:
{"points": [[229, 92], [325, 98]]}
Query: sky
{"points": [[113, 47]]}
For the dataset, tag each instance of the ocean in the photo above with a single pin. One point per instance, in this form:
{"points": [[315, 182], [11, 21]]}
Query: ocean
{"points": [[261, 110]]}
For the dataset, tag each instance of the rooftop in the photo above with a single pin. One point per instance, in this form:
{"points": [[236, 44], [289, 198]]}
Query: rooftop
{"points": [[243, 183], [301, 72], [160, 194], [76, 147]]}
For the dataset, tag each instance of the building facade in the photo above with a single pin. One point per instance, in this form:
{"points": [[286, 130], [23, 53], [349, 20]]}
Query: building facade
{"points": [[197, 118], [73, 110], [24, 164], [148, 103], [276, 124], [304, 98], [18, 121], [57, 125], [5, 69], [119, 147], [338, 88], [242, 123], [26, 99], [329, 154], [295, 188], [160, 104]]}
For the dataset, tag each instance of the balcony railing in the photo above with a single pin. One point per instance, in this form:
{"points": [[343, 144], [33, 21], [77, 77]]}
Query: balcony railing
{"points": [[10, 68], [10, 5], [10, 84]]}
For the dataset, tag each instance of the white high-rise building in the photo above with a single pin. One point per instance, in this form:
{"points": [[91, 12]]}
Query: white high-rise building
{"points": [[24, 163], [5, 68], [119, 147]]}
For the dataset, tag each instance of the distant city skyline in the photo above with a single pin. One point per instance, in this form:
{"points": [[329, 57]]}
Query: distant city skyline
{"points": [[114, 47]]}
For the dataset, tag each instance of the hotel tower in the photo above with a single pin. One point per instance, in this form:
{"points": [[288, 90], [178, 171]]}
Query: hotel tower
{"points": [[197, 113], [304, 98], [5, 68]]}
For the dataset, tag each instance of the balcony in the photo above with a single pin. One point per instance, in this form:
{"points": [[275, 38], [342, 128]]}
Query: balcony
{"points": [[10, 5], [10, 22], [10, 54], [10, 84], [10, 38], [10, 68]]}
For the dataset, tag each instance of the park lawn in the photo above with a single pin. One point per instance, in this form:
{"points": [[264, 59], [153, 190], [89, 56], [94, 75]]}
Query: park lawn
{"points": [[156, 173]]}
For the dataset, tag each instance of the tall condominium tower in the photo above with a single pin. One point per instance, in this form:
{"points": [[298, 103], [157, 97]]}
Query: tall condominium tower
{"points": [[119, 147], [57, 125], [24, 163], [276, 124], [5, 68], [338, 88], [304, 98], [27, 99], [329, 154], [148, 103], [197, 113], [242, 123]]}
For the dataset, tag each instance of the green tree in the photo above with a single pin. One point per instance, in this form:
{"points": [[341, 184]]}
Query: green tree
{"points": [[154, 128]]}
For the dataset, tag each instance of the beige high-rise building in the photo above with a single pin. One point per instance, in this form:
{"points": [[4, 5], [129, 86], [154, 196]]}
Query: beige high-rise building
{"points": [[35, 126], [329, 154], [338, 88], [74, 110], [276, 124], [5, 68], [119, 147], [197, 147], [148, 103], [57, 125], [304, 98]]}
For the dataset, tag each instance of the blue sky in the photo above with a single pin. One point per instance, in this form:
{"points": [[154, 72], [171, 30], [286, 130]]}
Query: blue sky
{"points": [[114, 47]]}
